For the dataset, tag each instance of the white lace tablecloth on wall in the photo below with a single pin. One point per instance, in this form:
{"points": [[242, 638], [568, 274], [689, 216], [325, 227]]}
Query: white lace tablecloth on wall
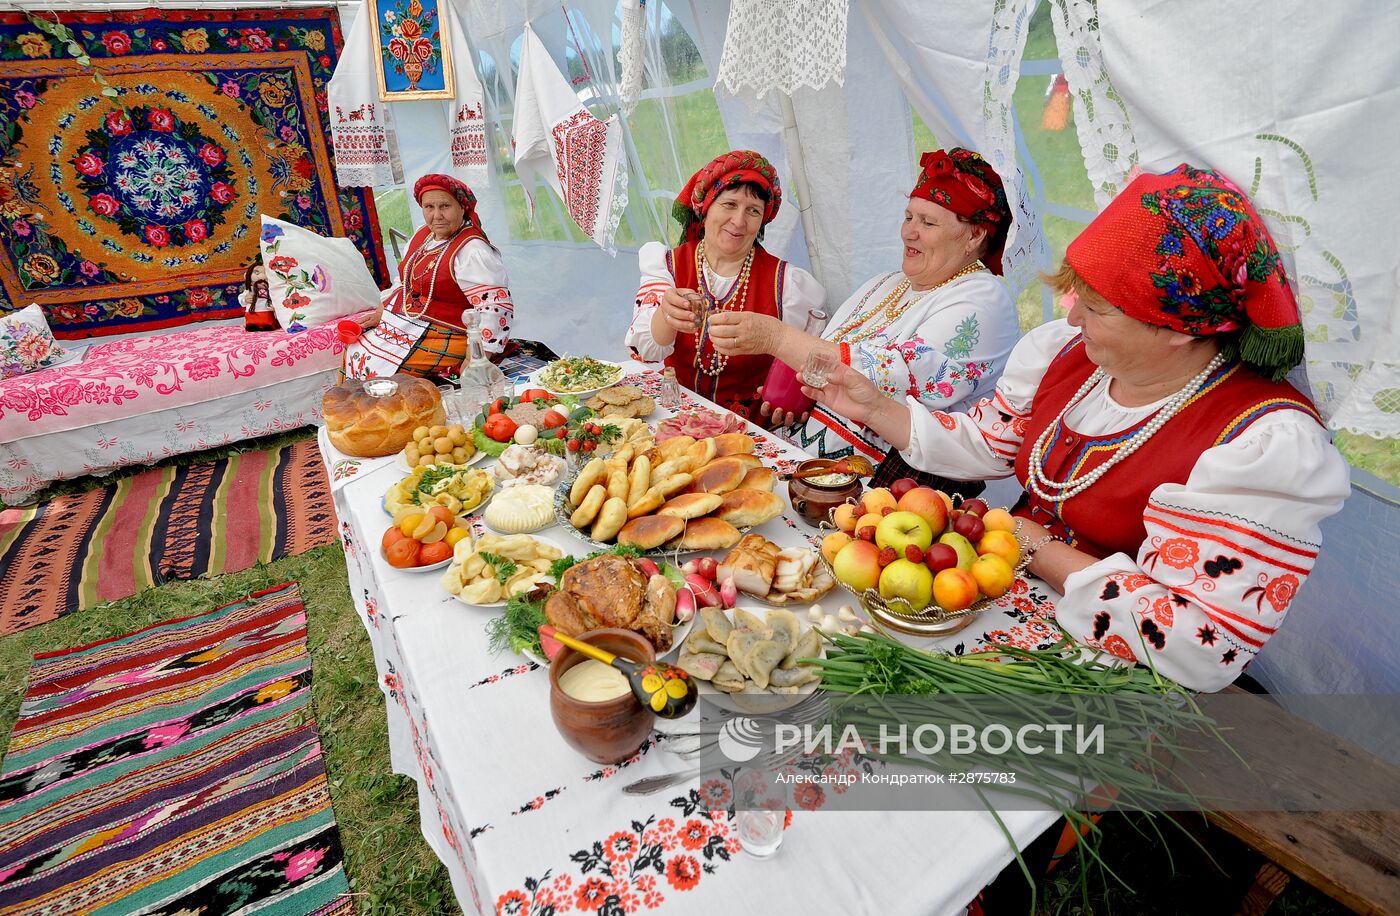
{"points": [[523, 822]]}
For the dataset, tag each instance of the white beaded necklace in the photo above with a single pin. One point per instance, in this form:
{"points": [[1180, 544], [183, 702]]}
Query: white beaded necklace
{"points": [[1045, 488]]}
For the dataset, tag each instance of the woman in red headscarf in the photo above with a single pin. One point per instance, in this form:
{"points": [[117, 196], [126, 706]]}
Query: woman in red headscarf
{"points": [[938, 329], [720, 266], [451, 275], [1175, 482]]}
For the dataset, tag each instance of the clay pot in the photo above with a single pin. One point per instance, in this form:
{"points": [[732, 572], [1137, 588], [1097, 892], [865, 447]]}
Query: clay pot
{"points": [[813, 501], [611, 731]]}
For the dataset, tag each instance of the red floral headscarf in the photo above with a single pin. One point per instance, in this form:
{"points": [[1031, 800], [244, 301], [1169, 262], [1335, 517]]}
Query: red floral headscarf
{"points": [[459, 191], [724, 172], [963, 182], [1187, 251]]}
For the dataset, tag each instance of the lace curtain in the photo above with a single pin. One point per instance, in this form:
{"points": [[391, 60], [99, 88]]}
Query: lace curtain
{"points": [[783, 45]]}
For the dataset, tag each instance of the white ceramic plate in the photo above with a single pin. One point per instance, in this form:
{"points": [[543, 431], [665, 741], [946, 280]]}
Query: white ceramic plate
{"points": [[767, 702], [581, 395], [402, 465], [441, 564]]}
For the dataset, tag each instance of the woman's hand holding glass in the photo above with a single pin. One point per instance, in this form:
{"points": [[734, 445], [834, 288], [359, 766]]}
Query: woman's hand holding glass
{"points": [[683, 309], [855, 397]]}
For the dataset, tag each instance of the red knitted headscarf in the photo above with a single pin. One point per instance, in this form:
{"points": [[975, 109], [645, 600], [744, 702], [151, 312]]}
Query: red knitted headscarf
{"points": [[963, 182], [1187, 251], [720, 174]]}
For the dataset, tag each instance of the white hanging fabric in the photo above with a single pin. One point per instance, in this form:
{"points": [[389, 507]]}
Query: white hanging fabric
{"points": [[631, 54], [466, 113], [959, 68], [1302, 116], [783, 45], [362, 127], [1100, 119], [559, 142]]}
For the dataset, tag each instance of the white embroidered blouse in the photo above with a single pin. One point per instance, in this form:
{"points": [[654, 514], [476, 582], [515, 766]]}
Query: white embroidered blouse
{"points": [[801, 294], [479, 271], [945, 350], [1257, 502]]}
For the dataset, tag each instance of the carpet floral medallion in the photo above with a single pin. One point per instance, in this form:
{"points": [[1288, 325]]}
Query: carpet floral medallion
{"points": [[140, 210]]}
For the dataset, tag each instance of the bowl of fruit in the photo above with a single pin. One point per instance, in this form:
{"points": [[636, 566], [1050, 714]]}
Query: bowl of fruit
{"points": [[922, 563], [423, 541]]}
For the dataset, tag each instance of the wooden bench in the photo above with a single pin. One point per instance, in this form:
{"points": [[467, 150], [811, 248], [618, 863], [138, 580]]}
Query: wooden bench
{"points": [[1351, 856]]}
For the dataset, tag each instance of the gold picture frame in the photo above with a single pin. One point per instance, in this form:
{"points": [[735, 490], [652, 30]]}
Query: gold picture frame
{"points": [[414, 58]]}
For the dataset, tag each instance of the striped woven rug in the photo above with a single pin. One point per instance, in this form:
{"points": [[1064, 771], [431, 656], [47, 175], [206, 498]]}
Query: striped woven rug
{"points": [[169, 523], [174, 770]]}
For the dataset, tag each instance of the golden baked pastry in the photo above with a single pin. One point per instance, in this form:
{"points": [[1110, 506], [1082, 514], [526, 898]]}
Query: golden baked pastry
{"points": [[747, 508], [707, 533], [650, 531], [733, 444], [759, 479], [365, 426], [719, 476]]}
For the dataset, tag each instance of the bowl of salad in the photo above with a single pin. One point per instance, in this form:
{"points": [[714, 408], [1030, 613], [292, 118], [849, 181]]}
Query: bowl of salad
{"points": [[581, 376]]}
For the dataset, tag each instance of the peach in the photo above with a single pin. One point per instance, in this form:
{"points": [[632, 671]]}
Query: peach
{"points": [[999, 520], [1002, 544], [924, 502], [993, 574], [954, 589], [872, 519], [844, 517], [858, 565], [832, 544], [947, 500], [876, 499]]}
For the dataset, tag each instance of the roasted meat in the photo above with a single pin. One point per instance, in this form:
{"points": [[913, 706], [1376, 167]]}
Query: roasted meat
{"points": [[610, 591]]}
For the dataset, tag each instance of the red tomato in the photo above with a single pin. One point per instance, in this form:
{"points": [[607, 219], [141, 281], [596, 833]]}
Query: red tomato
{"points": [[553, 420], [435, 552], [403, 554], [392, 537], [496, 407], [499, 427], [531, 394], [443, 514]]}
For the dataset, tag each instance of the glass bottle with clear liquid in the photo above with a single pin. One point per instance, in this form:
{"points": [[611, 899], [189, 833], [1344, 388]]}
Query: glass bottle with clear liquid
{"points": [[783, 389], [481, 380]]}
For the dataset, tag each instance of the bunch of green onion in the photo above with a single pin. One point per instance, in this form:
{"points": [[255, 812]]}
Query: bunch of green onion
{"points": [[1149, 724]]}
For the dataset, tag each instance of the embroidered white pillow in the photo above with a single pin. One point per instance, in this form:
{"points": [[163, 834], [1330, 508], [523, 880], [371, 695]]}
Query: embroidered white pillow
{"points": [[313, 279], [26, 344]]}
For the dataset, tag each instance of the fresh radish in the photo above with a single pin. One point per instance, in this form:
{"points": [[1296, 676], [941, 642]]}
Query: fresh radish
{"points": [[648, 567], [729, 592], [709, 568], [548, 644], [704, 589], [685, 605], [690, 567]]}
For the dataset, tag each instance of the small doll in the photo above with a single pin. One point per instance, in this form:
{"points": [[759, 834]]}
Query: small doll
{"points": [[256, 300]]}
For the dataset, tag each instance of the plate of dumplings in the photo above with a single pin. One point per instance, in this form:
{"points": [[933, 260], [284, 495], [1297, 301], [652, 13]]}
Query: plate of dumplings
{"points": [[746, 659]]}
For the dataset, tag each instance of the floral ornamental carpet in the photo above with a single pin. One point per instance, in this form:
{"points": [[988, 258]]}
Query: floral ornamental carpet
{"points": [[174, 770], [85, 549], [142, 210]]}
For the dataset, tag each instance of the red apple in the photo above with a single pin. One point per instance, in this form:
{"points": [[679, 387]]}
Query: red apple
{"points": [[977, 507], [888, 556], [940, 557], [970, 527], [903, 485], [913, 554], [926, 504]]}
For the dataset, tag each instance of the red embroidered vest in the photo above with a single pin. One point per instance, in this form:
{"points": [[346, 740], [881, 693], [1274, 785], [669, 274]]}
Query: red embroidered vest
{"points": [[736, 387], [1107, 518], [448, 299]]}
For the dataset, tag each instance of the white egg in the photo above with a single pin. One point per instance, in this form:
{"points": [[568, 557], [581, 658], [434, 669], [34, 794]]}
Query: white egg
{"points": [[526, 434]]}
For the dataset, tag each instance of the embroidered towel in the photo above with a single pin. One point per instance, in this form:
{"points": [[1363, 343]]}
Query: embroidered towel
{"points": [[362, 127], [557, 141], [466, 114]]}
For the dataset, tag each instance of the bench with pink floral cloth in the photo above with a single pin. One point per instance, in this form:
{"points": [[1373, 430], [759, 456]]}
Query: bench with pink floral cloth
{"points": [[138, 400]]}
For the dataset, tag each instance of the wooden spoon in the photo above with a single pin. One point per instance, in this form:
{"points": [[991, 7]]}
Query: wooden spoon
{"points": [[852, 464], [666, 690]]}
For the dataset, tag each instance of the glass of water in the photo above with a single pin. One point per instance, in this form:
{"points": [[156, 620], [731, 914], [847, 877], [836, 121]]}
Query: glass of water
{"points": [[818, 368], [760, 830]]}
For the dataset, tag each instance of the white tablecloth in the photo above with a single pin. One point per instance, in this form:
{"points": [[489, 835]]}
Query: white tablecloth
{"points": [[524, 823]]}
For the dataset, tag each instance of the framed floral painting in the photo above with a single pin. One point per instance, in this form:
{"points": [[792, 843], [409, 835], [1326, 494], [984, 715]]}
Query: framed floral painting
{"points": [[415, 61]]}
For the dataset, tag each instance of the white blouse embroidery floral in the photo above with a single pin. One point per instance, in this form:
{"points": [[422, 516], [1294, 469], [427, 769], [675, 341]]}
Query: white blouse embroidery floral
{"points": [[801, 294], [479, 271], [1225, 552], [945, 350]]}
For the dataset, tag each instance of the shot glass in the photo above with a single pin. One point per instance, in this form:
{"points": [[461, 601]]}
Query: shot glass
{"points": [[698, 306], [818, 368], [760, 830]]}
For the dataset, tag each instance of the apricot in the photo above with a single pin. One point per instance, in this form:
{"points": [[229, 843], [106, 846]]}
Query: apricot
{"points": [[954, 589]]}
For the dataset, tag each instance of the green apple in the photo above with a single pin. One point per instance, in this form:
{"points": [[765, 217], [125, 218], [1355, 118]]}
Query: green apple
{"points": [[900, 529], [966, 554], [908, 580]]}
